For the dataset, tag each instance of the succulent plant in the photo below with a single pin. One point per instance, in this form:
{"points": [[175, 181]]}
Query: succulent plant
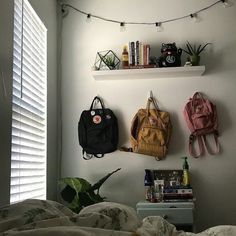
{"points": [[193, 49], [109, 60]]}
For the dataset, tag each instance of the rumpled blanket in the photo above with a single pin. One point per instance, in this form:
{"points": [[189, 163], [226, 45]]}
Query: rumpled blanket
{"points": [[43, 218]]}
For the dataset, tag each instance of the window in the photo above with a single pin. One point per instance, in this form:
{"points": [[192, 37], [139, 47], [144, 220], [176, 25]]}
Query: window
{"points": [[29, 105]]}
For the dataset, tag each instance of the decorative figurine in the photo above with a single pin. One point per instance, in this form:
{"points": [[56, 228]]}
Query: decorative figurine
{"points": [[171, 56]]}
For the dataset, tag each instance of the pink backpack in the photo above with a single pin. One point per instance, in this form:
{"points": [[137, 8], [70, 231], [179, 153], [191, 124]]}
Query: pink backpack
{"points": [[201, 117]]}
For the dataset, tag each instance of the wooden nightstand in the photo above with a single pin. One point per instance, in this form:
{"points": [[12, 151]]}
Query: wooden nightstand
{"points": [[178, 213]]}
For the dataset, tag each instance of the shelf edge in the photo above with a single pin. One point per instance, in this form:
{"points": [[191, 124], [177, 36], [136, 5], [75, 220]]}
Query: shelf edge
{"points": [[147, 73]]}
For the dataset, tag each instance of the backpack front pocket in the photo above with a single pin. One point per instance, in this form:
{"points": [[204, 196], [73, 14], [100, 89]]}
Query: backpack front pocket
{"points": [[201, 121], [150, 135]]}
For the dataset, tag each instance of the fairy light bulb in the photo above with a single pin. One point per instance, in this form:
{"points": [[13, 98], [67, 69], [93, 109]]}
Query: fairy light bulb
{"points": [[159, 27], [122, 26], [194, 17], [226, 3], [64, 10], [88, 19]]}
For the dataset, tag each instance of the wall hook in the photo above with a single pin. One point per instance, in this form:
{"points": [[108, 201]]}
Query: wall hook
{"points": [[150, 94]]}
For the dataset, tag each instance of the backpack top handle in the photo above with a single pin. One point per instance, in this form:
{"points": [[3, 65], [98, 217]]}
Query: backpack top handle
{"points": [[99, 101], [153, 101], [197, 95], [157, 110]]}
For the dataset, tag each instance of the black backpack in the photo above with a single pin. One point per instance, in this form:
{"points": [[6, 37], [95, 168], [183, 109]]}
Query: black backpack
{"points": [[97, 131]]}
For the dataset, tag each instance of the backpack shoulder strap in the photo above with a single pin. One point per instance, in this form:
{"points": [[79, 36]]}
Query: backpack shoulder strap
{"points": [[200, 145], [87, 156], [217, 145], [203, 145]]}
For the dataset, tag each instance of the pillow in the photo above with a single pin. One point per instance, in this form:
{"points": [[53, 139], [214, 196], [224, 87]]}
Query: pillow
{"points": [[123, 218]]}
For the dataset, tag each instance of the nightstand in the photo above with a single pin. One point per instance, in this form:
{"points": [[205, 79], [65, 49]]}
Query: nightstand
{"points": [[178, 213]]}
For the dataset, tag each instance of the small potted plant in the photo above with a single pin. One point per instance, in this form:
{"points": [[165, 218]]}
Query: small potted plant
{"points": [[106, 60], [110, 61], [194, 52]]}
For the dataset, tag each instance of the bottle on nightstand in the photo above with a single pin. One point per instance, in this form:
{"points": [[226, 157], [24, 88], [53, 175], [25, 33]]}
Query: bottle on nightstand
{"points": [[148, 185], [186, 178]]}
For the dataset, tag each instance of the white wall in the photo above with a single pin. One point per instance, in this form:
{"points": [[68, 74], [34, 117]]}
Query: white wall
{"points": [[213, 177]]}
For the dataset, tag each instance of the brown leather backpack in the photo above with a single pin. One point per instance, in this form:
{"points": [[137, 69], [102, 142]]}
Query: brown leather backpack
{"points": [[151, 131]]}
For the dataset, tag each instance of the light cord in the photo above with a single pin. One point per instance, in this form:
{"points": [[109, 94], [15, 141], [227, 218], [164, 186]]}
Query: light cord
{"points": [[89, 15]]}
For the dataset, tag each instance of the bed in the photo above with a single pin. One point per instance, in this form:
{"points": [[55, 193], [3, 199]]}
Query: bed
{"points": [[43, 217]]}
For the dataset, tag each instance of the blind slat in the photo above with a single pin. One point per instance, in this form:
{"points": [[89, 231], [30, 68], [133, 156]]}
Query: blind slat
{"points": [[26, 155], [27, 180], [33, 172], [38, 193]]}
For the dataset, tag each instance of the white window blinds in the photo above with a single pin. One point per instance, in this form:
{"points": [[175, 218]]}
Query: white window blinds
{"points": [[28, 158]]}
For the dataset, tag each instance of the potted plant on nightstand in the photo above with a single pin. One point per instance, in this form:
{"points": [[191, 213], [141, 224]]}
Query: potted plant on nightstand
{"points": [[194, 52]]}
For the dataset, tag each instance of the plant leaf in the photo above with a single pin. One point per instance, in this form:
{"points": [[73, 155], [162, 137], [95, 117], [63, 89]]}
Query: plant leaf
{"points": [[190, 46], [76, 204], [189, 49], [85, 199], [203, 47], [78, 184], [198, 49], [68, 194], [102, 180], [95, 197], [186, 51]]}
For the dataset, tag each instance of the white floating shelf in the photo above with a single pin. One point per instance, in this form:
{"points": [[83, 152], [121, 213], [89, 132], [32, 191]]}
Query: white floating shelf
{"points": [[149, 73]]}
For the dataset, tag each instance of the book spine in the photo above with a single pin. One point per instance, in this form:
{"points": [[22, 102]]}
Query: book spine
{"points": [[178, 190], [148, 53], [145, 54], [137, 53], [129, 51], [140, 53], [132, 53]]}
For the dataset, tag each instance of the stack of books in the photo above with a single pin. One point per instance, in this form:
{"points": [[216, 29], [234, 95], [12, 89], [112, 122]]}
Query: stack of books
{"points": [[173, 188], [180, 193], [139, 54]]}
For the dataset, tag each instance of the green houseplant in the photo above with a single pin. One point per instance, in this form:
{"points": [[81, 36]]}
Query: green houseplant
{"points": [[110, 61], [78, 192], [194, 52]]}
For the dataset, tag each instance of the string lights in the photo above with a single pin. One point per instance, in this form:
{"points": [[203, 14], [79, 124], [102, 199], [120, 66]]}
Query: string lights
{"points": [[159, 25]]}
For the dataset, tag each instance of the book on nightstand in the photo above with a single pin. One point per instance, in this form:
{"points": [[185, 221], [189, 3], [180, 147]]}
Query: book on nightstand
{"points": [[180, 193]]}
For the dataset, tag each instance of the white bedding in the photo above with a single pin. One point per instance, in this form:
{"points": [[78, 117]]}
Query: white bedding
{"points": [[38, 217]]}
